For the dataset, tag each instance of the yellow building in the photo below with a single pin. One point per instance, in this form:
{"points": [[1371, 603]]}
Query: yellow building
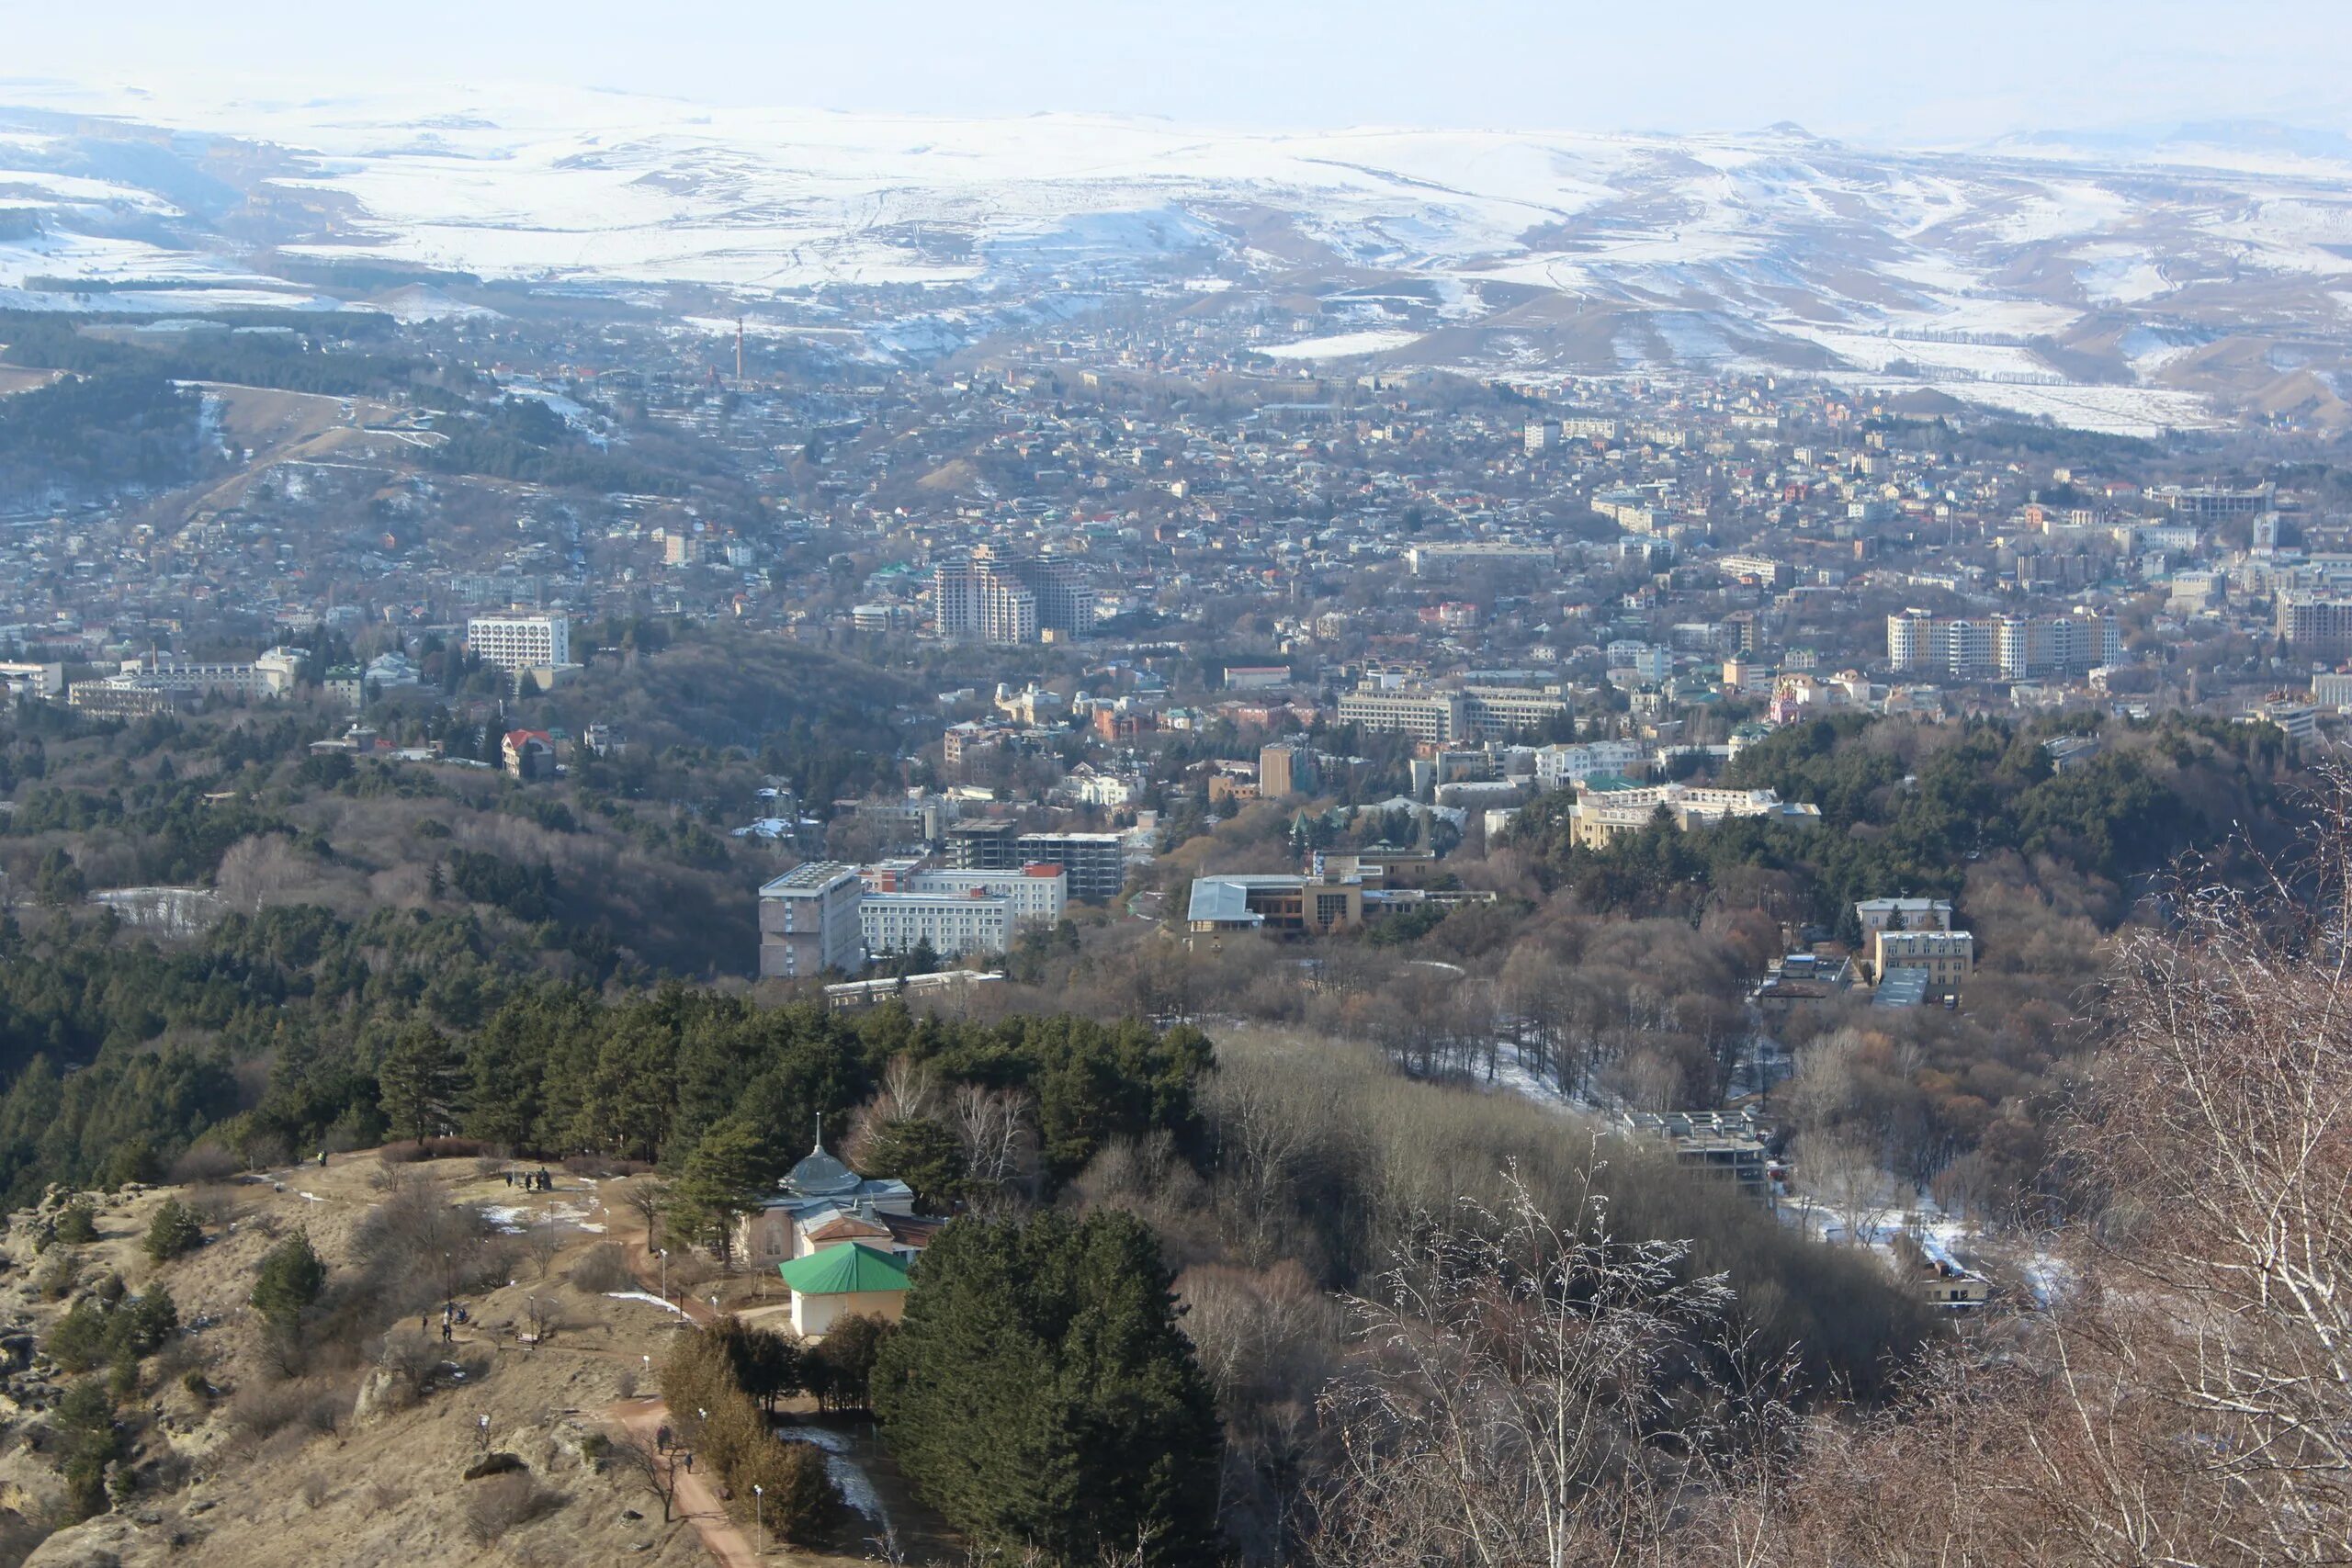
{"points": [[1948, 958]]}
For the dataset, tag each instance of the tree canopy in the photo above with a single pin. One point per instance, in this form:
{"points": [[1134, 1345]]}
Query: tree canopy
{"points": [[1038, 1392]]}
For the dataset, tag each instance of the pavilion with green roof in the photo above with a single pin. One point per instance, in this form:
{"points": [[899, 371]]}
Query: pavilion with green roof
{"points": [[838, 1282]]}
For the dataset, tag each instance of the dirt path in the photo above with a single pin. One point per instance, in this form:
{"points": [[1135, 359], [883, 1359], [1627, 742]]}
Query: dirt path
{"points": [[623, 1225], [696, 1502]]}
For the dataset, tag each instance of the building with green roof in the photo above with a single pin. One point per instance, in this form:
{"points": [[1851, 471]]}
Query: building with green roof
{"points": [[839, 1281]]}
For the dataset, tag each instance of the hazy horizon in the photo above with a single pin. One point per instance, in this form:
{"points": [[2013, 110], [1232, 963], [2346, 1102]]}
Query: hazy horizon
{"points": [[1846, 70]]}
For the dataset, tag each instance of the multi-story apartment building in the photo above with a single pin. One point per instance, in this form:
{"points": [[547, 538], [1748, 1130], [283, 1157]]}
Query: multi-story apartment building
{"points": [[1557, 767], [514, 643], [1095, 864], [2010, 648], [1476, 713], [949, 923], [1448, 556], [1961, 647], [1037, 894], [1946, 957], [1497, 713], [2208, 503], [2316, 626], [810, 923], [1434, 716], [1012, 603], [2298, 720], [989, 845], [2071, 644], [1772, 573]]}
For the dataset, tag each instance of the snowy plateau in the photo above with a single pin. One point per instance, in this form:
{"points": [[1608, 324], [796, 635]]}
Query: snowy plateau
{"points": [[2118, 285]]}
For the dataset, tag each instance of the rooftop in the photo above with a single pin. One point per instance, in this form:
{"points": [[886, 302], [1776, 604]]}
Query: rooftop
{"points": [[850, 1269], [815, 874]]}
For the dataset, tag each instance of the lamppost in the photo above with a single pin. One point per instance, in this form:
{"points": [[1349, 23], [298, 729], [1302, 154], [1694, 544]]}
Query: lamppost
{"points": [[760, 1512], [663, 1254]]}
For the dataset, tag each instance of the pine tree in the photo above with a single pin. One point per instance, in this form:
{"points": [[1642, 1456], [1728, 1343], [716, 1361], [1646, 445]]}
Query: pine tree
{"points": [[174, 1231], [922, 1153], [1039, 1391], [416, 1082], [292, 1275], [719, 1182]]}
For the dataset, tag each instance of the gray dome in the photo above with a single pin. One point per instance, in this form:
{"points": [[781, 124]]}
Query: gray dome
{"points": [[820, 1176]]}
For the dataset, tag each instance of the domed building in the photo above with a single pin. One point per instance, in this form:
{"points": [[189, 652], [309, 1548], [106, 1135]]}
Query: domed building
{"points": [[822, 1202]]}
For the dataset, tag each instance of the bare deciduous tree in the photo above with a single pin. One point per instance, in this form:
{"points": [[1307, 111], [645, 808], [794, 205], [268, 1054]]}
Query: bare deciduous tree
{"points": [[1843, 1173], [649, 1466], [998, 1127], [1530, 1398], [651, 1198], [542, 1239]]}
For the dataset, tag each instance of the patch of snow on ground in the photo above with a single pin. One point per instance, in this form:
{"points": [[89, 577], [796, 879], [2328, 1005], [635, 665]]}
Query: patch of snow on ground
{"points": [[649, 1298], [1344, 345], [857, 1489], [2121, 274]]}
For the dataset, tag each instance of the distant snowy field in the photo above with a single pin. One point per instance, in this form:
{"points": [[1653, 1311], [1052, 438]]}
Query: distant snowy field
{"points": [[1720, 251]]}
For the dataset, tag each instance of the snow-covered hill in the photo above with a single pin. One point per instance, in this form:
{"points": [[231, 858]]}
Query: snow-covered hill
{"points": [[2032, 274]]}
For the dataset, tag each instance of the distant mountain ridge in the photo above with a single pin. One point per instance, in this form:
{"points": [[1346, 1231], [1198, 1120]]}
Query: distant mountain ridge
{"points": [[2115, 281]]}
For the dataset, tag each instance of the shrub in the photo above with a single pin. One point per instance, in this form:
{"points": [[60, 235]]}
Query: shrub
{"points": [[801, 1503], [174, 1231], [78, 1225], [57, 1277], [264, 1410], [90, 1441], [204, 1163], [603, 1165], [603, 1267], [414, 1151], [95, 1333], [845, 1359], [507, 1502]]}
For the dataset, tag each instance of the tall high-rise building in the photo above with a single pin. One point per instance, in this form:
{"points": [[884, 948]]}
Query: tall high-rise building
{"points": [[1009, 602]]}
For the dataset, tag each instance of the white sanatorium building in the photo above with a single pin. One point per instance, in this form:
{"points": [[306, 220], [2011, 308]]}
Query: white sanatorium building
{"points": [[520, 642], [1036, 892], [952, 924]]}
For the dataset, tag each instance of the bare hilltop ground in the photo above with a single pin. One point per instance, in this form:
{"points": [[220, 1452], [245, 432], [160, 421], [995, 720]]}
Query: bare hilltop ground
{"points": [[357, 1456]]}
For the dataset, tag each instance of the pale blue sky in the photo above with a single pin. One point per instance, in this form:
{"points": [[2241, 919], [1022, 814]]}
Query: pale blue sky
{"points": [[1891, 70]]}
